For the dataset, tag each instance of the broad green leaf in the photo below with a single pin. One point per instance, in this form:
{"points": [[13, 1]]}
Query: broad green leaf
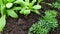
{"points": [[25, 12], [37, 7], [12, 13], [2, 9], [21, 12], [9, 5], [2, 22], [18, 1], [21, 2], [36, 11], [16, 8], [39, 1], [33, 1]]}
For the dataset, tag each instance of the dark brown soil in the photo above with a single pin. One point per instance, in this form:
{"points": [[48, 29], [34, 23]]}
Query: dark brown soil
{"points": [[23, 23], [20, 25]]}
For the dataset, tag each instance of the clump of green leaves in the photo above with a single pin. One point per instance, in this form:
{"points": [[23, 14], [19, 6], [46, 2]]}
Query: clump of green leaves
{"points": [[10, 8], [50, 18], [27, 7], [44, 24], [4, 11]]}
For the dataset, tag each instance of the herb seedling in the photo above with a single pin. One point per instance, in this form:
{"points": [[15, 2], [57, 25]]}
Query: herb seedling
{"points": [[27, 7], [4, 11], [10, 8], [45, 23]]}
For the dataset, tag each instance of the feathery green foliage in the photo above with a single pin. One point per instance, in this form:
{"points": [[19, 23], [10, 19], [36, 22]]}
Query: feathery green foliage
{"points": [[45, 23]]}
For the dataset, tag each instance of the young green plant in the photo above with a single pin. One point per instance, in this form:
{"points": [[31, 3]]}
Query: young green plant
{"points": [[4, 11], [45, 23], [27, 7], [10, 8]]}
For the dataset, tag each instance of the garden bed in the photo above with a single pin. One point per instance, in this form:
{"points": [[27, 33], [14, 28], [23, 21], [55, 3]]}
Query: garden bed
{"points": [[23, 23]]}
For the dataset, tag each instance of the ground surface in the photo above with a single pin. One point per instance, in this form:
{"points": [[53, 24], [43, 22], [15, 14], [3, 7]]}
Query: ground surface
{"points": [[23, 23]]}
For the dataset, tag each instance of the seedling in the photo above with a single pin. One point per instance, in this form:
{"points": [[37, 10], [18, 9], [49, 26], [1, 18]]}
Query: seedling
{"points": [[5, 10], [27, 7], [44, 24]]}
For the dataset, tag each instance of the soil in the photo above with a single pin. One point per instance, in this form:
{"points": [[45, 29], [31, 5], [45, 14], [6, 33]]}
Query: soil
{"points": [[20, 25], [23, 23]]}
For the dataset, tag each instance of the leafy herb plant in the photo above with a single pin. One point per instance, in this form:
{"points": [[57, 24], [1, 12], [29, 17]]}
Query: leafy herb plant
{"points": [[27, 7], [44, 24], [4, 11], [10, 8]]}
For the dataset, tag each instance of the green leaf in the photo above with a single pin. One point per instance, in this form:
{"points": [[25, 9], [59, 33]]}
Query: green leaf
{"points": [[39, 1], [21, 2], [2, 9], [25, 12], [9, 5], [21, 12], [2, 22], [33, 1], [37, 7], [18, 1], [12, 13], [36, 11], [16, 8]]}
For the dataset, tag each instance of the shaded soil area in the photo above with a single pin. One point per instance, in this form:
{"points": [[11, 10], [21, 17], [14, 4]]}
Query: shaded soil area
{"points": [[20, 25], [23, 23]]}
